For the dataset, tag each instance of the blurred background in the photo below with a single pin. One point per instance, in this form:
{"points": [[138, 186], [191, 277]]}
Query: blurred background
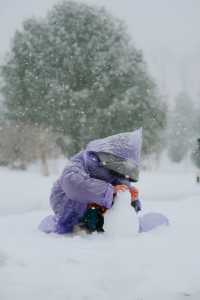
{"points": [[75, 71]]}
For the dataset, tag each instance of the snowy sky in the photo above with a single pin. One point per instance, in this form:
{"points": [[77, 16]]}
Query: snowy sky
{"points": [[166, 30]]}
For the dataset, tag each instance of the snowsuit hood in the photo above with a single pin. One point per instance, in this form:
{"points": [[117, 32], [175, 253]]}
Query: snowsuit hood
{"points": [[120, 152]]}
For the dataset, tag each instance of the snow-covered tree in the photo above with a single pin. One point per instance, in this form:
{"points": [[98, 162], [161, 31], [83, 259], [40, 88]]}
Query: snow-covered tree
{"points": [[195, 147], [181, 127], [78, 72]]}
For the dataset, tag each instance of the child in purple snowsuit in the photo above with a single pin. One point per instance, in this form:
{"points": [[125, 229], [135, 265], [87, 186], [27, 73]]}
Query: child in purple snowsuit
{"points": [[92, 176]]}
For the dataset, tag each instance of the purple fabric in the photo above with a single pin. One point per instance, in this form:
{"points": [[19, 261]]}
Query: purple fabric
{"points": [[124, 145], [84, 180], [152, 220], [49, 224]]}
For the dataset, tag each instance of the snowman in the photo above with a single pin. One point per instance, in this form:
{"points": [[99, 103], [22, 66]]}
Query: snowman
{"points": [[122, 219]]}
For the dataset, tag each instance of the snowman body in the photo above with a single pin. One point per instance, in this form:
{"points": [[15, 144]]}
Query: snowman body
{"points": [[121, 219]]}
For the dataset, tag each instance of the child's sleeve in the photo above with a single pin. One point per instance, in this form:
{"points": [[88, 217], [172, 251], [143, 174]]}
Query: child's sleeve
{"points": [[79, 186]]}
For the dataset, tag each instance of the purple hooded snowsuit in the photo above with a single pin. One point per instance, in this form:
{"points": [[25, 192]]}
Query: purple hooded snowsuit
{"points": [[86, 179]]}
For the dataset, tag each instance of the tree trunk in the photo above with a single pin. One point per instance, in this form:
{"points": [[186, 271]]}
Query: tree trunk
{"points": [[44, 164]]}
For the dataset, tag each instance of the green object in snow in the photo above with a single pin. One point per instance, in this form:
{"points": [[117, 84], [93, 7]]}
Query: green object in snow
{"points": [[93, 220]]}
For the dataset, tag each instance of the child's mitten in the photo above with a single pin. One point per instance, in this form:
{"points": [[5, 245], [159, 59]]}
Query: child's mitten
{"points": [[137, 205], [135, 202]]}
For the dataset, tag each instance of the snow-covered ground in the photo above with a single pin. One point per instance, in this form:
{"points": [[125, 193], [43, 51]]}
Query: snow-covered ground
{"points": [[119, 265]]}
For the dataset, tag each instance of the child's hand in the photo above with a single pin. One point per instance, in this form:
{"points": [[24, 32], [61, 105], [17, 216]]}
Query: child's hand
{"points": [[120, 188], [117, 189], [135, 202]]}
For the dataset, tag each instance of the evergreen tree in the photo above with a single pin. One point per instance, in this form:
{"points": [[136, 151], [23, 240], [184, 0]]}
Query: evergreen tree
{"points": [[195, 147], [181, 127], [77, 72]]}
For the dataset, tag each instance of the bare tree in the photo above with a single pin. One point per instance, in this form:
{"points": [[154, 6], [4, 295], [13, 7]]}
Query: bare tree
{"points": [[22, 144]]}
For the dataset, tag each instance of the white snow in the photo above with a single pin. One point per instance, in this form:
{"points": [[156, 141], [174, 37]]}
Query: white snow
{"points": [[160, 265], [121, 220]]}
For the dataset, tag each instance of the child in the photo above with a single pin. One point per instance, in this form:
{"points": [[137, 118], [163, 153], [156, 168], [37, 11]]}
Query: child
{"points": [[91, 180]]}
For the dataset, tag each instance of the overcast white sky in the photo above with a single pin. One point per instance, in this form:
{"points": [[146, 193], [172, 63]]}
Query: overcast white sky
{"points": [[166, 30]]}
